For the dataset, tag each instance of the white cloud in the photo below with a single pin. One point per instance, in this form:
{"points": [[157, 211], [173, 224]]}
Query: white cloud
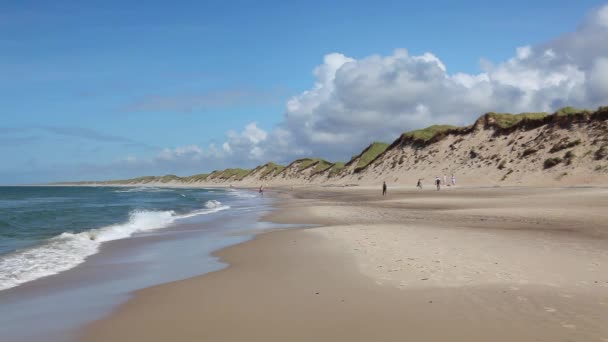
{"points": [[355, 101], [523, 52], [598, 79], [246, 143], [254, 134], [599, 17], [193, 152]]}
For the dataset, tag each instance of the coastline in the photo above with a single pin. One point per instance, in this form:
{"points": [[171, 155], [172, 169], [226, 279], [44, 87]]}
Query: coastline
{"points": [[93, 288], [464, 265]]}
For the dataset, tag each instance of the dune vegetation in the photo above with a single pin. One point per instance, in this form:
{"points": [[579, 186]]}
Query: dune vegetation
{"points": [[370, 153], [517, 142], [272, 169], [336, 168], [507, 120], [428, 133], [231, 174]]}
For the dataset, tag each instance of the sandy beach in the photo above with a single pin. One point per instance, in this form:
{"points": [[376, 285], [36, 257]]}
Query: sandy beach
{"points": [[304, 171], [465, 264]]}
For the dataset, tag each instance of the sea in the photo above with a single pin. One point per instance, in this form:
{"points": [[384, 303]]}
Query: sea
{"points": [[70, 255]]}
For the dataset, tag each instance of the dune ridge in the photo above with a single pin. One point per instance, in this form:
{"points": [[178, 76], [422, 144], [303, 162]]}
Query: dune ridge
{"points": [[569, 146]]}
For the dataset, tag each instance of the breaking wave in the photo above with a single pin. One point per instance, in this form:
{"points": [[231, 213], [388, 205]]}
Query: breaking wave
{"points": [[67, 250]]}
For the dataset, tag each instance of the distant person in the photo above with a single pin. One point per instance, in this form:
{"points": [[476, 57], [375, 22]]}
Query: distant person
{"points": [[438, 183], [384, 188], [453, 179], [419, 184], [262, 190]]}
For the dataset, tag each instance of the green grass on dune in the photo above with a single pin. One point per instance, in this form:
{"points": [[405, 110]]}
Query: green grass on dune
{"points": [[236, 174], [321, 166], [196, 178], [305, 163], [272, 169], [373, 151], [169, 178], [506, 120], [428, 133], [569, 111], [336, 168]]}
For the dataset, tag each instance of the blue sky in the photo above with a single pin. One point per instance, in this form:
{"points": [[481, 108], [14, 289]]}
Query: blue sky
{"points": [[99, 90]]}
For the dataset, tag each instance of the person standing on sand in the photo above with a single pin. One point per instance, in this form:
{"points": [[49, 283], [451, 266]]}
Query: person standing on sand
{"points": [[262, 190], [453, 179], [438, 183], [384, 188], [419, 184]]}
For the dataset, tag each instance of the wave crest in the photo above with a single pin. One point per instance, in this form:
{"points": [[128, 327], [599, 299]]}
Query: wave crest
{"points": [[213, 204], [67, 250]]}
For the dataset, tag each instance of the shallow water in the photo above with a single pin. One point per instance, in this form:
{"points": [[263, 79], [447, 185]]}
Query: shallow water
{"points": [[179, 248], [47, 230]]}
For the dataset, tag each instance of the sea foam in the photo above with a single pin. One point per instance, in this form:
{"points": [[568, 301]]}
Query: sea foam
{"points": [[241, 194], [67, 250]]}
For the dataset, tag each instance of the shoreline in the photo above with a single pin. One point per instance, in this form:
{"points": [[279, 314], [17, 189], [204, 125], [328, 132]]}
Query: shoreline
{"points": [[106, 279], [321, 283]]}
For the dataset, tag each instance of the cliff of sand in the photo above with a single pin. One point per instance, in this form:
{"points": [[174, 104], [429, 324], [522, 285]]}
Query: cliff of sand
{"points": [[567, 147]]}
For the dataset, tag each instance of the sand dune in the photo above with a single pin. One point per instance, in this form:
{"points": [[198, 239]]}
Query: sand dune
{"points": [[569, 147]]}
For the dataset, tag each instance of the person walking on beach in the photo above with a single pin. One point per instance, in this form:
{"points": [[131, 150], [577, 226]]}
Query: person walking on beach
{"points": [[262, 190], [453, 180], [438, 183], [419, 184], [384, 188]]}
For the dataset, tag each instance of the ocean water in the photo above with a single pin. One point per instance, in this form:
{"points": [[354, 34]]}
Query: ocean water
{"points": [[70, 255], [47, 230]]}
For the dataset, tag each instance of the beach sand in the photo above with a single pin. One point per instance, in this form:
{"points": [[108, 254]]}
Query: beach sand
{"points": [[485, 264]]}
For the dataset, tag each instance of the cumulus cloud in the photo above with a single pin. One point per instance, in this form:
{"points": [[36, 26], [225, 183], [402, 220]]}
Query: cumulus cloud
{"points": [[598, 80], [353, 102], [246, 144], [247, 147], [190, 151]]}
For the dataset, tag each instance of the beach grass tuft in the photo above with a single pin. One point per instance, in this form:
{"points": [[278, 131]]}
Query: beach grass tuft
{"points": [[428, 133], [370, 153], [507, 120]]}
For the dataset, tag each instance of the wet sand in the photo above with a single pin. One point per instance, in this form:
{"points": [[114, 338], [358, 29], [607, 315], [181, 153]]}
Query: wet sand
{"points": [[515, 264]]}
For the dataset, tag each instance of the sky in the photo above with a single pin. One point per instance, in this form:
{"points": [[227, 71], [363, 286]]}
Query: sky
{"points": [[108, 90]]}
